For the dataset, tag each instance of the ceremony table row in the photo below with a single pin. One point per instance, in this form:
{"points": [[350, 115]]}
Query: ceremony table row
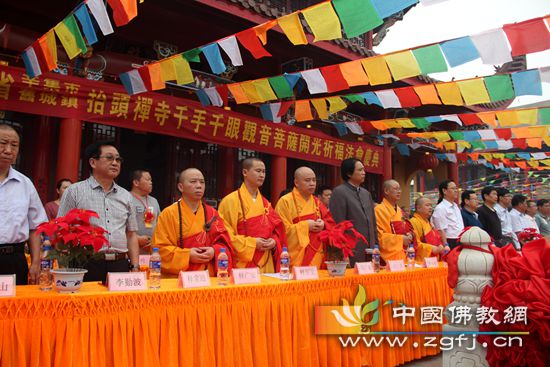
{"points": [[267, 324]]}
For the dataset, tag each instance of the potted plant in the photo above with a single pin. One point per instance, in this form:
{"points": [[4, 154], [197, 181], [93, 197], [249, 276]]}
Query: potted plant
{"points": [[339, 243], [74, 241]]}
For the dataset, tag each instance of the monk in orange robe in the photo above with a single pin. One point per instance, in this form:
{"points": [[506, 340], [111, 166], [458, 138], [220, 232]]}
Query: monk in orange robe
{"points": [[304, 217], [190, 233], [429, 240], [257, 232]]}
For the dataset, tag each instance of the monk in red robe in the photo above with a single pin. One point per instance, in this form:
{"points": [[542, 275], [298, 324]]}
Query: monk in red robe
{"points": [[257, 232], [190, 233]]}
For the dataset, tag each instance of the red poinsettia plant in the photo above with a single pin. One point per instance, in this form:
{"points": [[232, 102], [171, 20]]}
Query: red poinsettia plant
{"points": [[528, 235], [74, 239], [340, 240]]}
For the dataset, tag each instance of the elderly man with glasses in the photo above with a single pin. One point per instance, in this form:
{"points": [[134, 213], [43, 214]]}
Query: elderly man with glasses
{"points": [[114, 206]]}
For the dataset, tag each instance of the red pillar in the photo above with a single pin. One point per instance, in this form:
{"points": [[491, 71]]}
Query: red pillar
{"points": [[278, 177], [421, 183], [387, 172], [334, 179], [68, 154], [226, 173], [42, 157], [452, 172]]}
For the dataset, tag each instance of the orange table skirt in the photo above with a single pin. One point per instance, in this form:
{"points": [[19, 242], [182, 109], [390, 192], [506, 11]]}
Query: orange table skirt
{"points": [[270, 324]]}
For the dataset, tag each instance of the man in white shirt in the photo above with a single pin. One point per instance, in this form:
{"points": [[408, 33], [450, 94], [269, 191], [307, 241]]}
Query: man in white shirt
{"points": [[517, 214], [447, 218], [530, 213], [21, 212], [504, 201]]}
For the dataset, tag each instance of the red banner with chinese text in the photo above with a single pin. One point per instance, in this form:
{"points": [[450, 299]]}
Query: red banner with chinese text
{"points": [[71, 97]]}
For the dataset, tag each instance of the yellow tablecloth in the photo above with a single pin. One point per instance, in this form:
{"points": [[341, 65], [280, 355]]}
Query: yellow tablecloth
{"points": [[270, 324]]}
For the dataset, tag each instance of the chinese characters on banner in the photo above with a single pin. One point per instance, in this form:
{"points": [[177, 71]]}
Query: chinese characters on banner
{"points": [[70, 97]]}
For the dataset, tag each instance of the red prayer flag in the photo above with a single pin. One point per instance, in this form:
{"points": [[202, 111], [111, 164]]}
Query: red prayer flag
{"points": [[407, 97], [527, 37], [505, 134], [285, 105], [469, 119], [462, 157], [123, 11], [474, 156], [249, 39], [334, 78], [520, 143], [152, 77], [223, 91]]}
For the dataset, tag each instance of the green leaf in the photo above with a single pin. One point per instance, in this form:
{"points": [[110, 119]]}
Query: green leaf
{"points": [[369, 308]]}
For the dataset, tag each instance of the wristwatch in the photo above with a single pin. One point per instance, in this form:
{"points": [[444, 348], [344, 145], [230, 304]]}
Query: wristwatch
{"points": [[133, 266]]}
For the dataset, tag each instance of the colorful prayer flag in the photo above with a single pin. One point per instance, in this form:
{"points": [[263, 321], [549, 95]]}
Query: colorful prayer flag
{"points": [[123, 11], [357, 16], [430, 59], [402, 65], [323, 21], [292, 27]]}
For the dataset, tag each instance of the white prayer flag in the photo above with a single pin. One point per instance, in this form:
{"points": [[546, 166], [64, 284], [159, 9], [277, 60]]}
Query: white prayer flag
{"points": [[492, 47], [231, 48], [315, 81]]}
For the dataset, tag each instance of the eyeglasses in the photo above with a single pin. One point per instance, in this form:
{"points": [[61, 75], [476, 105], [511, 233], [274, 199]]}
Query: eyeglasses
{"points": [[111, 158]]}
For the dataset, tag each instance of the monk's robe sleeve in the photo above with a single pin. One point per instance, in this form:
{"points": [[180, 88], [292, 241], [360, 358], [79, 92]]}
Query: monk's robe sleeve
{"points": [[243, 246], [424, 249], [297, 234], [165, 237], [391, 245]]}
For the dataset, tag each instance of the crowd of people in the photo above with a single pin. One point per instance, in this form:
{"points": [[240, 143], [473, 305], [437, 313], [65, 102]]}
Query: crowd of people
{"points": [[190, 233]]}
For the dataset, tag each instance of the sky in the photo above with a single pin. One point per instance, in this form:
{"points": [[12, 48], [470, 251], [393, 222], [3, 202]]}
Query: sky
{"points": [[456, 18]]}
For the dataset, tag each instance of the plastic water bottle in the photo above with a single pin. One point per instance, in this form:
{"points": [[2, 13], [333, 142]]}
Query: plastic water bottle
{"points": [[285, 264], [154, 269], [223, 268], [411, 255], [376, 259], [45, 278]]}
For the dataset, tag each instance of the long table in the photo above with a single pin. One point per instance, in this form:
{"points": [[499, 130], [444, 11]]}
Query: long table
{"points": [[268, 324]]}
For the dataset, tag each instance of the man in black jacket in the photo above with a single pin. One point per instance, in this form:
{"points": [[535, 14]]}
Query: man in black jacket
{"points": [[488, 216]]}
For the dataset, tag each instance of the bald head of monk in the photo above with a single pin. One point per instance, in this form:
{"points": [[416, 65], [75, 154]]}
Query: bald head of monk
{"points": [[423, 207], [191, 185], [305, 181], [392, 191]]}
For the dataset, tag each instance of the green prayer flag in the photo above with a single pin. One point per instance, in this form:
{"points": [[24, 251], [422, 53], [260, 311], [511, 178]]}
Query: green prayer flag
{"points": [[355, 98], [510, 155], [499, 87], [281, 87], [430, 59], [544, 116], [456, 135], [70, 23], [420, 122], [477, 144], [193, 55], [357, 16]]}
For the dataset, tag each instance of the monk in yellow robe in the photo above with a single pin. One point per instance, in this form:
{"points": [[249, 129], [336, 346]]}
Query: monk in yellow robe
{"points": [[304, 217], [429, 240], [257, 232], [190, 233]]}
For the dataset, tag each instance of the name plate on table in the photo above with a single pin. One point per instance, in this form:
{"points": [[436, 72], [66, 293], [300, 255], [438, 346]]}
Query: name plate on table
{"points": [[305, 272], [7, 285], [431, 262], [144, 260], [246, 276], [194, 279], [364, 268], [396, 265], [130, 281]]}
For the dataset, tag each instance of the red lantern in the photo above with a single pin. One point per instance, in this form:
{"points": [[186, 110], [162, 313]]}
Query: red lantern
{"points": [[428, 162]]}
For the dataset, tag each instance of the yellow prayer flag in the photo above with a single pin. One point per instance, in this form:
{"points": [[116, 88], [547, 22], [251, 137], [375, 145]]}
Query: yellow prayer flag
{"points": [[377, 70], [336, 104], [546, 162], [251, 93], [321, 107], [487, 156], [464, 144], [302, 110], [238, 93], [450, 146], [498, 155], [354, 73], [427, 94], [184, 75], [528, 117], [392, 124], [546, 140], [402, 65], [167, 70], [67, 40], [292, 27], [533, 163], [507, 118], [473, 91], [534, 142], [406, 123], [449, 93], [380, 125], [323, 21], [441, 136], [264, 90], [488, 118]]}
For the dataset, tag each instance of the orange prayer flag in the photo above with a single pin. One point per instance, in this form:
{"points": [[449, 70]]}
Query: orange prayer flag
{"points": [[427, 94], [449, 93], [250, 91], [354, 73], [48, 48], [261, 30], [534, 142], [238, 93], [302, 110], [123, 11], [488, 118], [152, 76], [438, 145], [379, 125], [521, 132], [167, 69]]}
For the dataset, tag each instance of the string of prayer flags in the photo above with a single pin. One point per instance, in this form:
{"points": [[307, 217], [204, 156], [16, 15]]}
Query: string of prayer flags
{"points": [[69, 34], [323, 21]]}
